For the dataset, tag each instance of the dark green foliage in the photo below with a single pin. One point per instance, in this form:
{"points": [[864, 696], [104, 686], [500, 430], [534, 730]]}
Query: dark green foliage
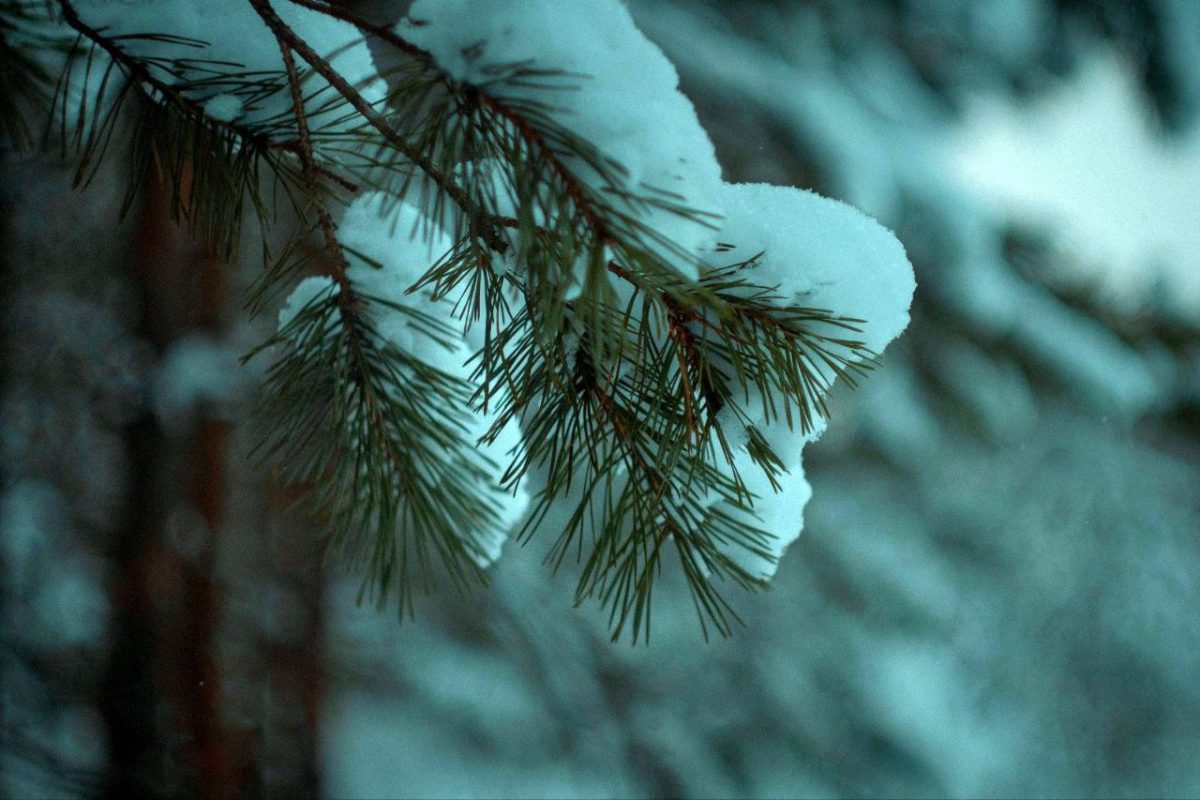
{"points": [[25, 82], [374, 436], [616, 390]]}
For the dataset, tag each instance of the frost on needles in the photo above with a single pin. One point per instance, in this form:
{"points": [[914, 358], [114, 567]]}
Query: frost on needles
{"points": [[535, 310]]}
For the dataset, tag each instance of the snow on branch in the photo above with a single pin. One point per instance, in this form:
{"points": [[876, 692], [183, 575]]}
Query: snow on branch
{"points": [[535, 309]]}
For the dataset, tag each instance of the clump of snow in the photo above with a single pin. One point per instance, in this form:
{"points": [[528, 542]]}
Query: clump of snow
{"points": [[622, 95], [390, 246], [224, 107], [1084, 164], [510, 506], [307, 292], [777, 511], [821, 253]]}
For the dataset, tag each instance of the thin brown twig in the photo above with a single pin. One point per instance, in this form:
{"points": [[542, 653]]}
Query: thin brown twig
{"points": [[304, 150]]}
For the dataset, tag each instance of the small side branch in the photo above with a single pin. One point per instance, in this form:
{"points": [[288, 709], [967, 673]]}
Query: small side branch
{"points": [[308, 164], [524, 127], [288, 37], [142, 74]]}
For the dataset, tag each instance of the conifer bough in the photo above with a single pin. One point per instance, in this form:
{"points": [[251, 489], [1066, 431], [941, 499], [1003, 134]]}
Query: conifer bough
{"points": [[521, 302]]}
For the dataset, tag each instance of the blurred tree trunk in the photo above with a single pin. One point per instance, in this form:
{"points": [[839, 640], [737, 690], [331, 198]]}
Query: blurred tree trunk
{"points": [[165, 697], [163, 672]]}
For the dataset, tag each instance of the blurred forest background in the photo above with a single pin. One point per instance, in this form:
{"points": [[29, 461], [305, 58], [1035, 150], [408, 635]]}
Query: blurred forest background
{"points": [[997, 591]]}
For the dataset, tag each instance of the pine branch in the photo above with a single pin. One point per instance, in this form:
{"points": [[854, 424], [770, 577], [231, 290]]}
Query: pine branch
{"points": [[373, 379], [339, 264], [376, 120], [210, 166], [521, 123], [373, 435], [619, 400], [372, 428], [138, 70]]}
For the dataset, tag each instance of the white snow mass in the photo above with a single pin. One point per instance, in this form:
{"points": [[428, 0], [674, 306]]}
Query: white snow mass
{"points": [[224, 107], [819, 253], [621, 93]]}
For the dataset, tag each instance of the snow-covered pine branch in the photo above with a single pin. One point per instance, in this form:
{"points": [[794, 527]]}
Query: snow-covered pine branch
{"points": [[534, 309]]}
